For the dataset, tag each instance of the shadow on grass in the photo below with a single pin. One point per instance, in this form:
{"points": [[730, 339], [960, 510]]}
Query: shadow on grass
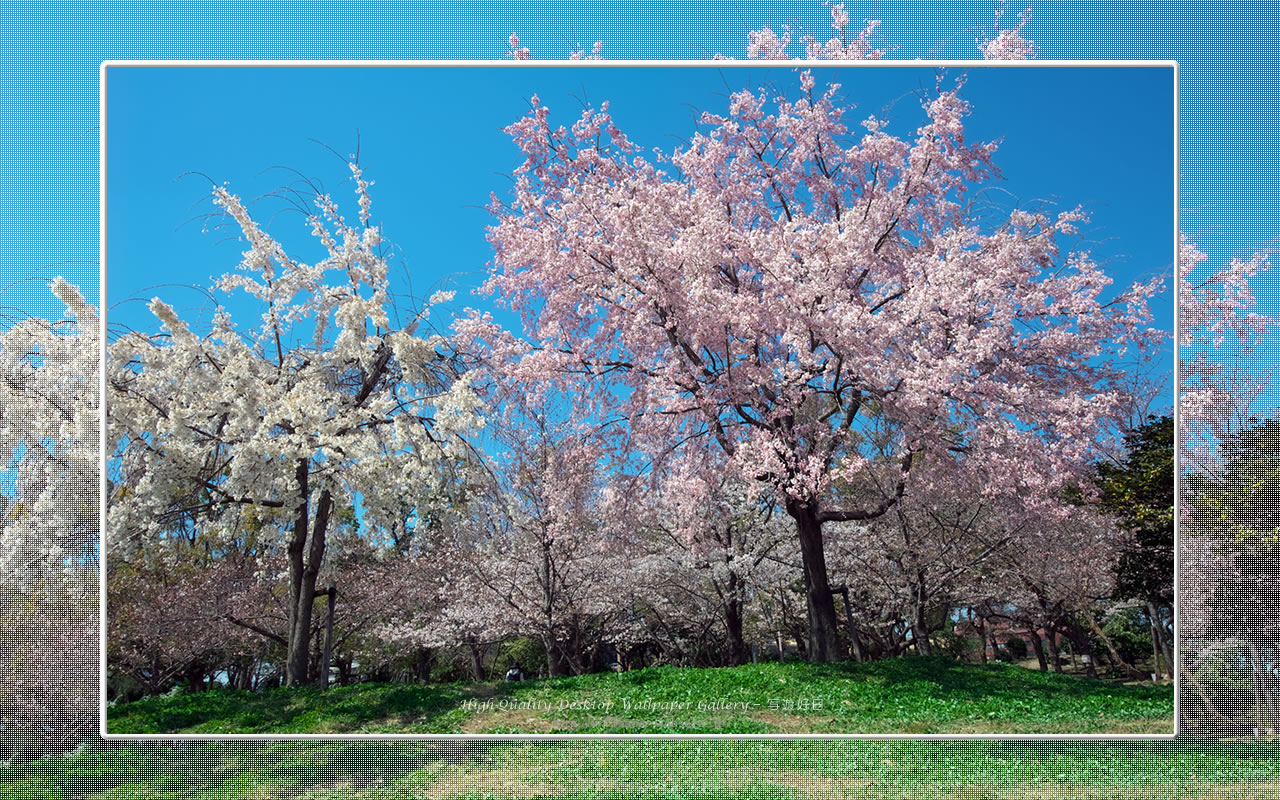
{"points": [[990, 680], [287, 710], [262, 769], [242, 769]]}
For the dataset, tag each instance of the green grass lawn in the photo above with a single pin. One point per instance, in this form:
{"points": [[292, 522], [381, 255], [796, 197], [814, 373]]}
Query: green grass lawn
{"points": [[654, 770], [910, 695]]}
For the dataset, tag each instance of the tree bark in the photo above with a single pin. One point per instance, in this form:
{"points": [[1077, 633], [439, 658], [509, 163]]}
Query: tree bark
{"points": [[328, 638], [1266, 720], [1222, 719], [194, 676], [982, 633], [1038, 646], [738, 653], [920, 628], [855, 642], [476, 651], [422, 664], [1157, 631], [1054, 648], [823, 643], [556, 661], [1081, 642], [304, 568]]}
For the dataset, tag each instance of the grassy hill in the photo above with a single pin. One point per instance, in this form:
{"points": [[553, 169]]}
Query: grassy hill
{"points": [[911, 695]]}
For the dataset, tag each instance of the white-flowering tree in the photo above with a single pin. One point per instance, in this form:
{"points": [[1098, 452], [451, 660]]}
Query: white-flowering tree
{"points": [[48, 528], [49, 436], [330, 402]]}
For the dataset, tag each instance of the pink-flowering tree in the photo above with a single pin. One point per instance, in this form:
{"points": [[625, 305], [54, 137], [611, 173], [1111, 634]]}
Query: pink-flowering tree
{"points": [[167, 623], [539, 547], [1217, 323], [710, 538], [776, 281], [520, 53], [1054, 573], [453, 609], [847, 43], [1009, 44], [191, 618], [332, 402], [844, 45], [938, 536]]}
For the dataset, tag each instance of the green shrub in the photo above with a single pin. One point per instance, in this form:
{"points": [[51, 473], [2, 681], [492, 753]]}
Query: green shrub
{"points": [[526, 651], [954, 646], [1130, 634], [1017, 648]]}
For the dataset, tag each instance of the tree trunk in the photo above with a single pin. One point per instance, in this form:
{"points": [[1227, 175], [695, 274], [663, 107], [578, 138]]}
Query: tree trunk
{"points": [[855, 642], [422, 664], [1265, 721], [738, 653], [556, 660], [981, 630], [823, 644], [1038, 646], [1054, 648], [1081, 641], [556, 666], [304, 567], [193, 675], [476, 652], [920, 628], [1225, 722], [1161, 643], [328, 638]]}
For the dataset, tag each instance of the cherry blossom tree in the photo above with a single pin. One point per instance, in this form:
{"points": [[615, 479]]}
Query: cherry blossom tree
{"points": [[546, 556], [769, 285], [49, 434], [847, 43], [1217, 323], [331, 402], [48, 528], [844, 45], [1008, 44], [1053, 575], [519, 52], [936, 539], [710, 538], [1219, 326]]}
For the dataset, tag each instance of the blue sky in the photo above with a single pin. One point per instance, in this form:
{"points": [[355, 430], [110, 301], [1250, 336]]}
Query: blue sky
{"points": [[431, 140]]}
